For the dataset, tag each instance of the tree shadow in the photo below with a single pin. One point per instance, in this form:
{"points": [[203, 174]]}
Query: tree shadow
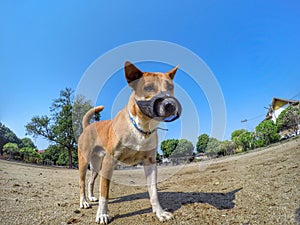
{"points": [[173, 201]]}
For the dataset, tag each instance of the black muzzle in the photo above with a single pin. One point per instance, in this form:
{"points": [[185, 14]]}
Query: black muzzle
{"points": [[162, 107]]}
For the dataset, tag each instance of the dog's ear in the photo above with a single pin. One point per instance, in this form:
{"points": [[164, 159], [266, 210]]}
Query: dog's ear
{"points": [[132, 73], [172, 72]]}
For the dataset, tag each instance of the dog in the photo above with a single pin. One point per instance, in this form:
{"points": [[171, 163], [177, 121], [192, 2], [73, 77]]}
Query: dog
{"points": [[130, 137]]}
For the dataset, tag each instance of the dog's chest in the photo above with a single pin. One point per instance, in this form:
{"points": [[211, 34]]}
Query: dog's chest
{"points": [[140, 142], [135, 149]]}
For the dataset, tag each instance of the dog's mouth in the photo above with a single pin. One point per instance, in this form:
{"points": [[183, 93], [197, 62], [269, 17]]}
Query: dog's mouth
{"points": [[162, 107]]}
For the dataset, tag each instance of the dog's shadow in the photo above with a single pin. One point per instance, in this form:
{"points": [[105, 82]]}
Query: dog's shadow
{"points": [[173, 201]]}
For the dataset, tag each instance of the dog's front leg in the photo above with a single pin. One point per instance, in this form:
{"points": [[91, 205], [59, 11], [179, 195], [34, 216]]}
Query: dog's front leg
{"points": [[151, 177], [102, 216]]}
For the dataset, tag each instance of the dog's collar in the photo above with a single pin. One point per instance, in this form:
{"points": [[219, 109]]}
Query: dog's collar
{"points": [[139, 129]]}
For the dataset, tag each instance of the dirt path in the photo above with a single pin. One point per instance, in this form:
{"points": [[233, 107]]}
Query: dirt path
{"points": [[262, 187]]}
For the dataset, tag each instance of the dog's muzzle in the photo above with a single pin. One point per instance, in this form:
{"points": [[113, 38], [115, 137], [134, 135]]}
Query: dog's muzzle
{"points": [[162, 107]]}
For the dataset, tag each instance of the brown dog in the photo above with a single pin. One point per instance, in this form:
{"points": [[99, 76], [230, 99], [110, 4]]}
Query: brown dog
{"points": [[130, 137]]}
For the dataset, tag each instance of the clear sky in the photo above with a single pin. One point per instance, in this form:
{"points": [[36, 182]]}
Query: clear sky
{"points": [[251, 47]]}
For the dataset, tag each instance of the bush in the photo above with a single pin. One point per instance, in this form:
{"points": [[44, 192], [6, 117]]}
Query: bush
{"points": [[11, 150], [30, 155]]}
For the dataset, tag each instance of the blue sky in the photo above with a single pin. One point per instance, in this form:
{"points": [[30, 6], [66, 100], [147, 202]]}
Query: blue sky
{"points": [[252, 48]]}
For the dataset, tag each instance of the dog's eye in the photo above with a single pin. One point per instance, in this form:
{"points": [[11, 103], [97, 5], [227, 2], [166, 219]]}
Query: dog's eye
{"points": [[149, 88], [170, 87]]}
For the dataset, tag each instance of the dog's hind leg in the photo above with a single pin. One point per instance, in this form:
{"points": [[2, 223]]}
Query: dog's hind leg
{"points": [[82, 165]]}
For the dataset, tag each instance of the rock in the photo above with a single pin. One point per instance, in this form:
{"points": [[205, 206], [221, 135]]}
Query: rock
{"points": [[62, 204], [288, 190], [216, 183], [77, 211], [72, 221], [293, 166]]}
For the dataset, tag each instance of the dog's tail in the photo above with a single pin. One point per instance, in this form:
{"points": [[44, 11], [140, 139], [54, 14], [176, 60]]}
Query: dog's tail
{"points": [[87, 117]]}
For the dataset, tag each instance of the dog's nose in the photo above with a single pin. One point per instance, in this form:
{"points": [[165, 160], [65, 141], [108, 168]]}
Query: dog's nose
{"points": [[169, 107], [165, 107]]}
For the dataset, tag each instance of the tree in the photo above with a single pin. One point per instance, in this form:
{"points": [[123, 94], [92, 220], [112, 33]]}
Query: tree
{"points": [[63, 158], [51, 154], [168, 146], [80, 107], [27, 142], [266, 133], [30, 155], [235, 134], [243, 139], [184, 148], [62, 126], [246, 140], [289, 119], [227, 148], [63, 129], [202, 143], [7, 136], [213, 146], [11, 149], [58, 128]]}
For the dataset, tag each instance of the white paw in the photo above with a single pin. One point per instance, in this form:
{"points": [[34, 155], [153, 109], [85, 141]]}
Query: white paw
{"points": [[164, 215], [93, 199], [102, 218], [84, 205]]}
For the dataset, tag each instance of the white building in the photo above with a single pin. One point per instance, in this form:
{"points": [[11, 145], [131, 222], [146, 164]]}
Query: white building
{"points": [[277, 106]]}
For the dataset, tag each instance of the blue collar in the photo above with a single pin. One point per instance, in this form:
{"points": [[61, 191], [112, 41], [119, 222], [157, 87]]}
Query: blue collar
{"points": [[139, 129]]}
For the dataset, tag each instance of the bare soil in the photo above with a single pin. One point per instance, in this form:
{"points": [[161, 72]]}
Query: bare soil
{"points": [[260, 187]]}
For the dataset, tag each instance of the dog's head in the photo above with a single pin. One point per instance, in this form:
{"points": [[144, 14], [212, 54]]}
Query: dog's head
{"points": [[154, 93]]}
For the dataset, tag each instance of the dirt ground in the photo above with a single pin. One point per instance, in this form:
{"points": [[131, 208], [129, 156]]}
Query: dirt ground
{"points": [[261, 187]]}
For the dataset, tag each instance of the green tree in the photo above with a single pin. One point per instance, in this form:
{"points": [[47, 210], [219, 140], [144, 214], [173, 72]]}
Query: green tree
{"points": [[202, 143], [235, 134], [7, 136], [27, 142], [30, 155], [289, 119], [227, 148], [11, 149], [62, 158], [243, 139], [184, 148], [80, 107], [168, 146], [58, 127], [213, 147], [246, 140], [266, 133], [51, 154]]}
